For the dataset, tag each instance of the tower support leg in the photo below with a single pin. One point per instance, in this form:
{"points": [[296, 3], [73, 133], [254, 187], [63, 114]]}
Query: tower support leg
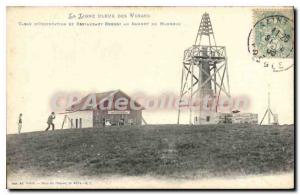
{"points": [[264, 116]]}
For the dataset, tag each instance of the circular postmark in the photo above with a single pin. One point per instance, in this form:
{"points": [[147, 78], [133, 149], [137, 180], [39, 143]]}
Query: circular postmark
{"points": [[271, 42]]}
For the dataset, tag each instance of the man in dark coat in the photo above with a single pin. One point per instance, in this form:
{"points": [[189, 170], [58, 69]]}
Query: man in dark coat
{"points": [[50, 121], [103, 122]]}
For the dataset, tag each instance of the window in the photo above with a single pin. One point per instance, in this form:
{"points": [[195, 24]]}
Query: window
{"points": [[71, 123], [76, 125], [207, 118], [80, 123]]}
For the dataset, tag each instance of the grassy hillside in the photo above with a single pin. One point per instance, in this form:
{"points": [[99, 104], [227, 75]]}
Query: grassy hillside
{"points": [[160, 150]]}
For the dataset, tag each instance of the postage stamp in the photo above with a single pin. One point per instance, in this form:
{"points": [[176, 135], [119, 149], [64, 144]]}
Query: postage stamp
{"points": [[271, 40]]}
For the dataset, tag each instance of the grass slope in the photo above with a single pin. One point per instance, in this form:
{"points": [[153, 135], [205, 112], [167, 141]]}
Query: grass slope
{"points": [[160, 150]]}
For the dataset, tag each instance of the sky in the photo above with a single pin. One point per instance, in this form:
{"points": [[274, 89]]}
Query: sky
{"points": [[45, 60]]}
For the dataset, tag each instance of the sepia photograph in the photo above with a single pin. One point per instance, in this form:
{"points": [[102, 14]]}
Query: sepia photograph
{"points": [[150, 97]]}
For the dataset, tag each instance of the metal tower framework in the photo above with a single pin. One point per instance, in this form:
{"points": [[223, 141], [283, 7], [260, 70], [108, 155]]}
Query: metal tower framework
{"points": [[270, 113], [205, 70]]}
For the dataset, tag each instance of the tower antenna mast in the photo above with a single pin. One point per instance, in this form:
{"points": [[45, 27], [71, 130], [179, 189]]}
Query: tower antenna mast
{"points": [[269, 111]]}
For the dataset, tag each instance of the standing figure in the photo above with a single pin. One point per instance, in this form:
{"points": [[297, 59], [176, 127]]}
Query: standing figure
{"points": [[50, 121], [20, 123], [103, 122], [121, 122]]}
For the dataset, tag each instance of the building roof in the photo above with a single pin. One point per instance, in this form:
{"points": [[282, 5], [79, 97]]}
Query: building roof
{"points": [[85, 102]]}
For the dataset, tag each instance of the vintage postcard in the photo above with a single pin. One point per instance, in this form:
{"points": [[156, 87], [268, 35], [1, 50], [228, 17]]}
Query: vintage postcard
{"points": [[150, 98]]}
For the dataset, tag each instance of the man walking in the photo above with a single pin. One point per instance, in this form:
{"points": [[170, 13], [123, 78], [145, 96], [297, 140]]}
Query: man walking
{"points": [[20, 123], [50, 121]]}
